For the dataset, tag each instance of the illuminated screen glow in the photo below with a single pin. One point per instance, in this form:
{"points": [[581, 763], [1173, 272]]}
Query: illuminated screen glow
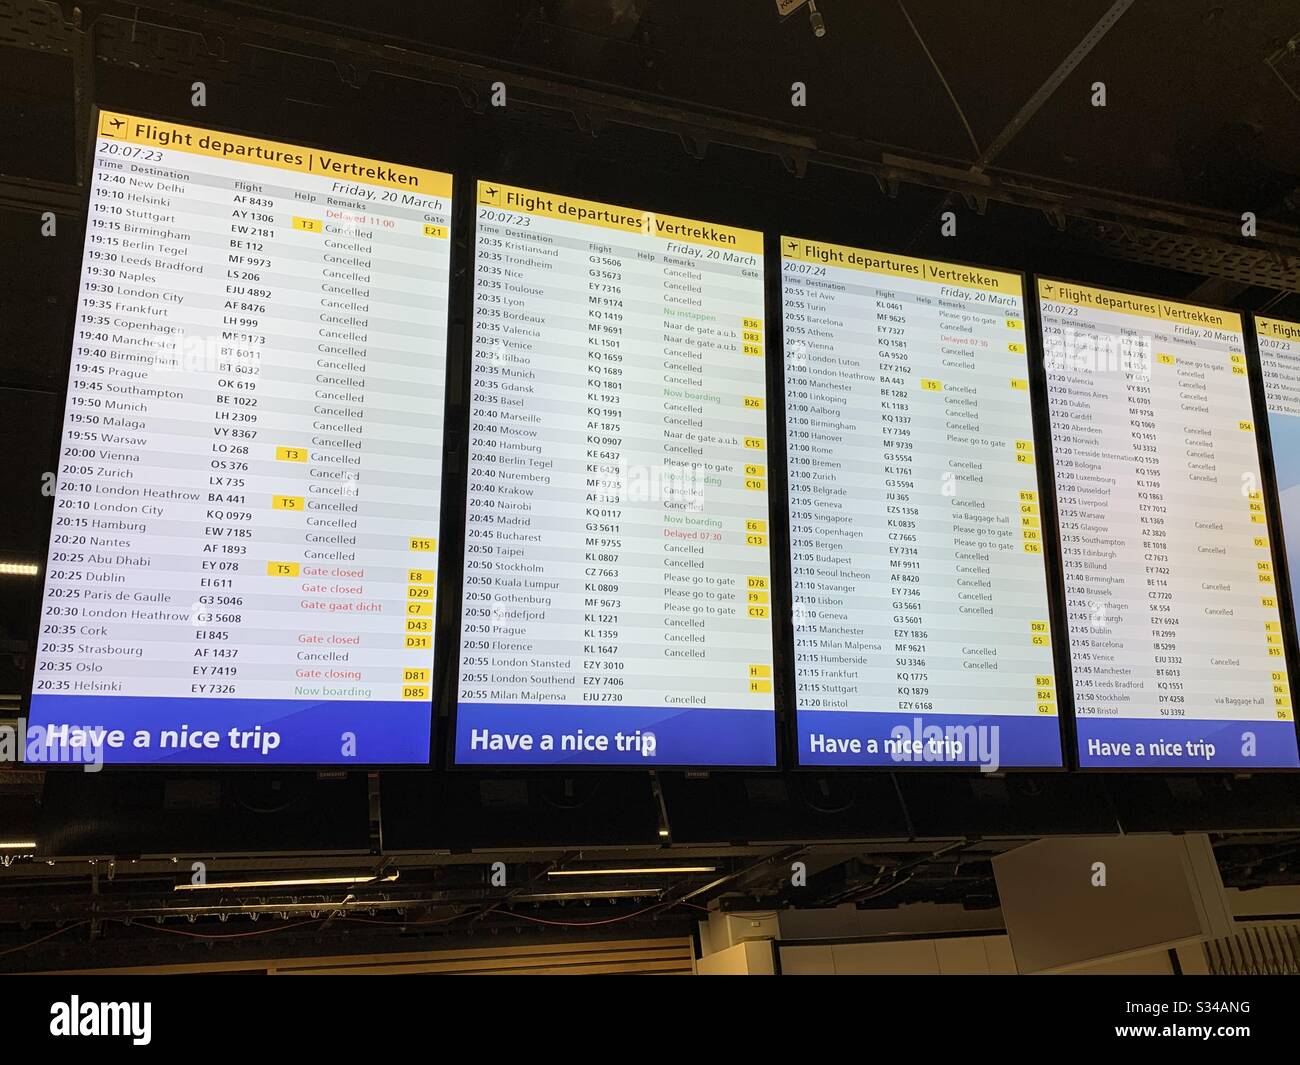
{"points": [[242, 558], [617, 585], [1279, 358], [921, 624], [1175, 633]]}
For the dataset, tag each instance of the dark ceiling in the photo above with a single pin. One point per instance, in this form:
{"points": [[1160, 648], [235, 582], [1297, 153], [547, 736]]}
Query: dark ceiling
{"points": [[1195, 111]]}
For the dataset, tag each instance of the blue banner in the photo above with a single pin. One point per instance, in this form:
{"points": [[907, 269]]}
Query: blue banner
{"points": [[879, 738], [1180, 743], [646, 736], [207, 731]]}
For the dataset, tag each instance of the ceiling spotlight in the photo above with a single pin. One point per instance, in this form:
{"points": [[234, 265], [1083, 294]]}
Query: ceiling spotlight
{"points": [[563, 896], [19, 569], [815, 19], [324, 881], [649, 870]]}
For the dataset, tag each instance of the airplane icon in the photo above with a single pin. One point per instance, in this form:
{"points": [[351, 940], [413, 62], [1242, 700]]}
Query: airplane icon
{"points": [[115, 122], [792, 245], [490, 191]]}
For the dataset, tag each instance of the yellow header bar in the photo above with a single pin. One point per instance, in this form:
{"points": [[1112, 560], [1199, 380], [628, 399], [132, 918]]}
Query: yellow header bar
{"points": [[1104, 299], [1276, 329], [345, 168], [879, 262], [625, 219]]}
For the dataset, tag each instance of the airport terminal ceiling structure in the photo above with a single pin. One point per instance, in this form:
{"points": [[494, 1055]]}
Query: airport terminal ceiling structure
{"points": [[910, 112]]}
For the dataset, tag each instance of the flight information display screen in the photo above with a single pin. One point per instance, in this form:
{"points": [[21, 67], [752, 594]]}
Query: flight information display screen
{"points": [[1279, 358], [616, 596], [921, 622], [244, 543], [1175, 633]]}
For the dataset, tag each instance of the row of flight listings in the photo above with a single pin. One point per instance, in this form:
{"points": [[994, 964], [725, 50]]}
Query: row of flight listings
{"points": [[244, 547]]}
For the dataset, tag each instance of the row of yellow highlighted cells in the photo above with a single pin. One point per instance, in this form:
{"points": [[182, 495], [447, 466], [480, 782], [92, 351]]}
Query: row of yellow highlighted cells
{"points": [[1273, 632], [755, 481], [316, 225], [931, 384], [1040, 635], [1031, 524], [1272, 628], [1281, 686], [419, 610], [1264, 575], [1236, 358], [419, 618], [758, 601]]}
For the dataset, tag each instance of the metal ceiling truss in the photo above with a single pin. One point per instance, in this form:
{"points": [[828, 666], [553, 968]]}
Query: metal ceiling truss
{"points": [[661, 879], [152, 34]]}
